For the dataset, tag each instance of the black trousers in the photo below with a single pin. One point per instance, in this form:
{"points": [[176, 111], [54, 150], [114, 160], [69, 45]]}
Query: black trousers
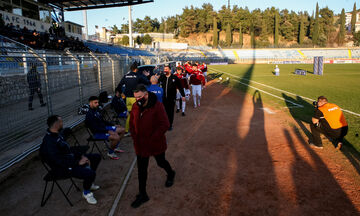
{"points": [[169, 105], [31, 97], [88, 174], [336, 134], [143, 163]]}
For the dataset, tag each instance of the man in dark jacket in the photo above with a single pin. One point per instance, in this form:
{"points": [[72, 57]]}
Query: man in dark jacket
{"points": [[102, 129], [118, 104], [169, 82], [148, 125], [33, 79], [55, 152], [130, 81]]}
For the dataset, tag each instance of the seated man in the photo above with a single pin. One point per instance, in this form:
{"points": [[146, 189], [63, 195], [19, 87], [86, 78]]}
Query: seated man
{"points": [[118, 104], [103, 129], [55, 152], [329, 120]]}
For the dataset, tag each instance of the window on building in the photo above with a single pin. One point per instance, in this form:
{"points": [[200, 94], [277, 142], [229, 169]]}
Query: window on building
{"points": [[30, 9], [45, 15], [69, 27], [6, 6], [17, 10]]}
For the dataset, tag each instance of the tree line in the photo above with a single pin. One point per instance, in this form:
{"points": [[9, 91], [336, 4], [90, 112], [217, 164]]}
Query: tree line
{"points": [[268, 28]]}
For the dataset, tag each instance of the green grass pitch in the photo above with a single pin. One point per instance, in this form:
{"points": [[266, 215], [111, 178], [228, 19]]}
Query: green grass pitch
{"points": [[340, 84]]}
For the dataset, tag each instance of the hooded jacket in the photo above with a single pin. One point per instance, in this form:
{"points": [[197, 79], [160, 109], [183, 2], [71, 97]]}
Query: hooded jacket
{"points": [[148, 126]]}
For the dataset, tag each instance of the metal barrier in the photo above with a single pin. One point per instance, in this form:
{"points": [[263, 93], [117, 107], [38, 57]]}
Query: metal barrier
{"points": [[36, 84]]}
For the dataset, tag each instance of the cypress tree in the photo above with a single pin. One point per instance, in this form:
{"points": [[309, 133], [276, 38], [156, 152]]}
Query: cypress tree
{"points": [[228, 34], [276, 30], [301, 31], [341, 37], [315, 36], [252, 34], [215, 34], [241, 39], [353, 19]]}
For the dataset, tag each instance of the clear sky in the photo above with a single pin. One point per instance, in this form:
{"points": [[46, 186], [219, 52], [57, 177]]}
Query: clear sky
{"points": [[163, 8]]}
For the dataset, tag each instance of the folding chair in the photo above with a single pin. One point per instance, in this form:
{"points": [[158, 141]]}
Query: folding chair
{"points": [[50, 177], [94, 140]]}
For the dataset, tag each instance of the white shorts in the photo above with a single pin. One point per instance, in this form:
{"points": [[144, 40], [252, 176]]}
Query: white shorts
{"points": [[205, 73], [187, 94], [196, 90]]}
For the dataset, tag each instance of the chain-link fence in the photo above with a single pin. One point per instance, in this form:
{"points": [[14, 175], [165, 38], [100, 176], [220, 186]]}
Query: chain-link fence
{"points": [[34, 85]]}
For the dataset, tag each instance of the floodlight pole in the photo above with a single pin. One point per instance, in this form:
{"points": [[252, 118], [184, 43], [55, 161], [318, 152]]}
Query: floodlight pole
{"points": [[130, 29], [85, 24]]}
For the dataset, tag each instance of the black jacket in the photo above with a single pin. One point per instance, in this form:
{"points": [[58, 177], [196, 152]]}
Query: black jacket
{"points": [[169, 85], [118, 104], [33, 79], [131, 80], [95, 121], [55, 151]]}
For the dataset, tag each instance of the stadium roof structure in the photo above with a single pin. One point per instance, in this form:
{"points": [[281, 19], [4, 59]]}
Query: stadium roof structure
{"points": [[72, 5]]}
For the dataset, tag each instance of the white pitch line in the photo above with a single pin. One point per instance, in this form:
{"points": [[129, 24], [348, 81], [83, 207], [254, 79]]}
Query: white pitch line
{"points": [[122, 189], [280, 90], [268, 110]]}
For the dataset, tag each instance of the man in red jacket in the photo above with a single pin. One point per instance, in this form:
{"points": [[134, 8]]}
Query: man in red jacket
{"points": [[148, 125]]}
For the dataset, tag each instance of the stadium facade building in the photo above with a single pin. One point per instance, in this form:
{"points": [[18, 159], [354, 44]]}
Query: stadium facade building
{"points": [[348, 17], [34, 15], [26, 13]]}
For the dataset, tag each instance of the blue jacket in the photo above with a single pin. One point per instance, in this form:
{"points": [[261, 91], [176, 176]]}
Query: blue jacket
{"points": [[95, 121], [131, 80], [55, 151], [157, 90]]}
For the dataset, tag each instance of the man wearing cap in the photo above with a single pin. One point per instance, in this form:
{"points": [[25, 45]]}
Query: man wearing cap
{"points": [[130, 81], [169, 82]]}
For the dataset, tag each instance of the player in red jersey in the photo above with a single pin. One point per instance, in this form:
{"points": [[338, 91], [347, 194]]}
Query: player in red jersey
{"points": [[184, 83], [197, 81]]}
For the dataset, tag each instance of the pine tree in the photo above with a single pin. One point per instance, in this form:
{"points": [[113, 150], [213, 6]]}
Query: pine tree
{"points": [[215, 34], [301, 31], [228, 35], [241, 37], [341, 37], [353, 19], [315, 36], [276, 30]]}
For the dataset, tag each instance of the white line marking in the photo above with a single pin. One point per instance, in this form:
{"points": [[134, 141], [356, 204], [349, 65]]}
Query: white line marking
{"points": [[267, 110], [298, 105], [122, 189], [280, 90]]}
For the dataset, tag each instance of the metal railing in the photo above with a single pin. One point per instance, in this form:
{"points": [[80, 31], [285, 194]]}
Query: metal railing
{"points": [[36, 84]]}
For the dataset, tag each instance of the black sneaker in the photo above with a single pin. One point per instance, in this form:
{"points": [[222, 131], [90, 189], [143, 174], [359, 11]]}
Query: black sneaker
{"points": [[183, 114], [170, 180], [42, 105], [177, 110], [140, 199], [30, 108]]}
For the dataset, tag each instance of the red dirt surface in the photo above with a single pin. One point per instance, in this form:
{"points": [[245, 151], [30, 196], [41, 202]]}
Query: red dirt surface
{"points": [[232, 158]]}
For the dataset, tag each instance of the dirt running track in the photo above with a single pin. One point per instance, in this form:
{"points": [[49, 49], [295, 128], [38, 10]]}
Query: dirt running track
{"points": [[233, 158]]}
